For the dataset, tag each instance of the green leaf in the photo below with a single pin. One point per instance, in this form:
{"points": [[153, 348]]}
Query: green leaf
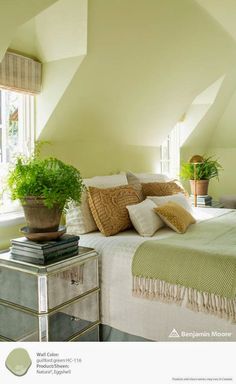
{"points": [[49, 178], [206, 170]]}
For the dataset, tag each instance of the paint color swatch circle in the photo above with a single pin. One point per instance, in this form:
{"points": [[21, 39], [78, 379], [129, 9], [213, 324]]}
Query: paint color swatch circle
{"points": [[18, 361]]}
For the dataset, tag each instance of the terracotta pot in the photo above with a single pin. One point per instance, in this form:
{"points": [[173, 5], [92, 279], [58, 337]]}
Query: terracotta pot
{"points": [[40, 218], [201, 187]]}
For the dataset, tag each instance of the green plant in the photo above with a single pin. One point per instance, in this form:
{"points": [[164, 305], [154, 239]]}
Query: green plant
{"points": [[50, 178], [206, 170]]}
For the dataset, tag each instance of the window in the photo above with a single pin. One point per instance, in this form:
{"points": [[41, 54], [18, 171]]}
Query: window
{"points": [[16, 136], [170, 153]]}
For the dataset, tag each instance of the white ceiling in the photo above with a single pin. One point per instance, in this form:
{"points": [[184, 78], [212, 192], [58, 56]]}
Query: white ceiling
{"points": [[223, 11]]}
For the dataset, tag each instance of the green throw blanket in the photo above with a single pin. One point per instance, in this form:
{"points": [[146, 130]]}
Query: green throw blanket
{"points": [[198, 267]]}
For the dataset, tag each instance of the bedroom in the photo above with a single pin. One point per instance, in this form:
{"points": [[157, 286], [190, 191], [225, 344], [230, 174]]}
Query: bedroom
{"points": [[117, 77]]}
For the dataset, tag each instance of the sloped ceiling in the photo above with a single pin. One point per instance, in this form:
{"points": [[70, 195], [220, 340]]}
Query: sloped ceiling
{"points": [[202, 136], [48, 38], [223, 11], [61, 46], [146, 63], [61, 30], [12, 16]]}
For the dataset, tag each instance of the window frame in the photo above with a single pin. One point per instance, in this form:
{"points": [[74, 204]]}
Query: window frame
{"points": [[170, 153], [26, 128]]}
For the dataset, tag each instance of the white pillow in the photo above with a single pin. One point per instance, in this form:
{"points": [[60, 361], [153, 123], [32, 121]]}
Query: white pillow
{"points": [[79, 218], [178, 198], [144, 219], [146, 177], [106, 181]]}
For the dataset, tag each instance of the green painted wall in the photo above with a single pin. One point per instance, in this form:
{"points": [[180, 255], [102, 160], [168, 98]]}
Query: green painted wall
{"points": [[56, 75], [227, 181], [14, 13], [101, 158], [7, 233], [146, 62], [218, 137], [223, 145]]}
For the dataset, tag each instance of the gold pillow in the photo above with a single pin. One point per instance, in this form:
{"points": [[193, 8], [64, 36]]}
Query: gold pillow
{"points": [[161, 189], [108, 206], [175, 216]]}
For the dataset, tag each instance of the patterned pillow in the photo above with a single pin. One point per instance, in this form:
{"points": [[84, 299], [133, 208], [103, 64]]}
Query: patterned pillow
{"points": [[136, 180], [161, 189], [108, 207], [79, 218], [175, 216]]}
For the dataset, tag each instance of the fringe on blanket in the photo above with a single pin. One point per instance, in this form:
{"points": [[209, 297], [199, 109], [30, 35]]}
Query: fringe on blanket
{"points": [[196, 301], [211, 303], [158, 289]]}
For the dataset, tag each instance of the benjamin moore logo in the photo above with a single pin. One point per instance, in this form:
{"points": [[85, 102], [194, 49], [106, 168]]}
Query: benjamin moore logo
{"points": [[174, 333], [18, 362], [203, 334]]}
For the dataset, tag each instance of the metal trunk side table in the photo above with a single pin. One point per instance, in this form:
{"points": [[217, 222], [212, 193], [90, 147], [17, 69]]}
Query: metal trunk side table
{"points": [[54, 302]]}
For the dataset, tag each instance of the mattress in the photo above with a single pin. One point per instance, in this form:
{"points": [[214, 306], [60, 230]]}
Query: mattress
{"points": [[152, 320]]}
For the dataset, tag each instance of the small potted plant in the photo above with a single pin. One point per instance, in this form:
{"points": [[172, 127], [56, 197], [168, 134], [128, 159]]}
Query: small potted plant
{"points": [[208, 169], [44, 187]]}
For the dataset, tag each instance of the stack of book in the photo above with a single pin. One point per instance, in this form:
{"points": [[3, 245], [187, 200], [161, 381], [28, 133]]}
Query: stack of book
{"points": [[44, 252], [202, 200]]}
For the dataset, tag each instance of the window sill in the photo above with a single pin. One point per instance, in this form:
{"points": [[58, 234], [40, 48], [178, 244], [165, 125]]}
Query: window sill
{"points": [[10, 219]]}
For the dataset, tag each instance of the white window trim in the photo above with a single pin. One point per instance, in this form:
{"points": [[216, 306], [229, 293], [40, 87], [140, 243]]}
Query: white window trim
{"points": [[14, 214], [11, 219], [172, 143]]}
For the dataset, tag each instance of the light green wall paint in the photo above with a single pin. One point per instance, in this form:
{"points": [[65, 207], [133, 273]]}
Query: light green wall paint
{"points": [[13, 14], [225, 132], [18, 361], [227, 183], [205, 130], [62, 30], [217, 133], [145, 65], [56, 77], [25, 39], [100, 158], [60, 46], [7, 233], [223, 11], [48, 39], [223, 145]]}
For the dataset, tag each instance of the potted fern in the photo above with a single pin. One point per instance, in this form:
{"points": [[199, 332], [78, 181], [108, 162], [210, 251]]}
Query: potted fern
{"points": [[208, 169], [44, 188]]}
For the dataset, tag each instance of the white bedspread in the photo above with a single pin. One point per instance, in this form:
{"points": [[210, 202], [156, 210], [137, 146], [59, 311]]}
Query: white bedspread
{"points": [[150, 319]]}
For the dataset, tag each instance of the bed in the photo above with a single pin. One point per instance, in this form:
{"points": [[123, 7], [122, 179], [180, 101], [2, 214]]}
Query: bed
{"points": [[134, 318]]}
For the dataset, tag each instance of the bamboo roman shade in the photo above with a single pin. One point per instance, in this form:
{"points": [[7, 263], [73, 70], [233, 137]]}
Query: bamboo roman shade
{"points": [[20, 73]]}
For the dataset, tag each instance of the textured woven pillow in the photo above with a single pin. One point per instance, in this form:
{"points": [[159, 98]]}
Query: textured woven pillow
{"points": [[136, 180], [178, 198], [108, 207], [161, 189], [144, 219], [175, 216], [79, 218]]}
